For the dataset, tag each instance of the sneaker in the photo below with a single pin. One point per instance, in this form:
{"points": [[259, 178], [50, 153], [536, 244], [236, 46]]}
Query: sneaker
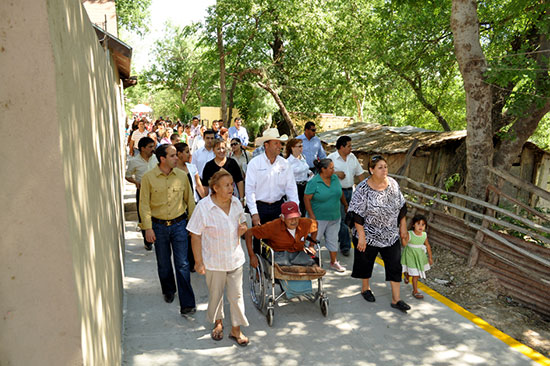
{"points": [[148, 246], [337, 267], [345, 253], [188, 311]]}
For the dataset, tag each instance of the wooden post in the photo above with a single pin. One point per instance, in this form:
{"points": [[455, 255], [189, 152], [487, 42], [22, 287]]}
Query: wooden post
{"points": [[405, 167], [493, 198]]}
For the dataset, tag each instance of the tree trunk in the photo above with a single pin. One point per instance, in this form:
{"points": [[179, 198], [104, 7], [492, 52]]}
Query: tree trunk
{"points": [[188, 86], [223, 88], [281, 105], [430, 107], [359, 106], [199, 97], [526, 125], [472, 63], [358, 102], [417, 88], [231, 96]]}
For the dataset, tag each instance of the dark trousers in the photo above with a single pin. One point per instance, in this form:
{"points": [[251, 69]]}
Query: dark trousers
{"points": [[139, 218], [363, 262], [173, 239], [344, 237], [267, 213], [301, 190]]}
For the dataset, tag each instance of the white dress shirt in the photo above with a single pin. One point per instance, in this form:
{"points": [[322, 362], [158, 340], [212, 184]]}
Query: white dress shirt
{"points": [[268, 182], [350, 167], [137, 166], [193, 171], [299, 168], [240, 133], [220, 241], [201, 157]]}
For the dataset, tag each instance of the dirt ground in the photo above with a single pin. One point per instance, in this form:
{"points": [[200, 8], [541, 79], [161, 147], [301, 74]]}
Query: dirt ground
{"points": [[476, 290]]}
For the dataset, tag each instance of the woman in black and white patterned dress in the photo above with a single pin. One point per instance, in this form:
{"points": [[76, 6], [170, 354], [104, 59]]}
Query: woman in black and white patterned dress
{"points": [[377, 210]]}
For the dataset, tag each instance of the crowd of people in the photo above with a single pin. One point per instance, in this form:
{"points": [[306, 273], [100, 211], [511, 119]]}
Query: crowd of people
{"points": [[196, 185]]}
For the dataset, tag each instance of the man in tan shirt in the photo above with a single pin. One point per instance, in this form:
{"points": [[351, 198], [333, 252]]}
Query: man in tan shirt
{"points": [[166, 201]]}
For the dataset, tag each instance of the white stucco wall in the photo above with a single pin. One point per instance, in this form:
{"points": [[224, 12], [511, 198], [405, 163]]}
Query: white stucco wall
{"points": [[61, 262]]}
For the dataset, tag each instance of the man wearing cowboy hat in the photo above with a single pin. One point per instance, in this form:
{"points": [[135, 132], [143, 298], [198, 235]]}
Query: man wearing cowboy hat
{"points": [[269, 179]]}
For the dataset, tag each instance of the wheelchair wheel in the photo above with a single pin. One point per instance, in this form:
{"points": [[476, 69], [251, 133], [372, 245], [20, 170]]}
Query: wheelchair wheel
{"points": [[323, 303], [270, 312], [257, 284]]}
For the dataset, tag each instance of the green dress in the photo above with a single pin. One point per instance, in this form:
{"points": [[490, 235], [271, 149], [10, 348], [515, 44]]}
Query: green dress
{"points": [[414, 259]]}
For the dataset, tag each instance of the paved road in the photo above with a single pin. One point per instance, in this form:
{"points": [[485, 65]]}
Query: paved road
{"points": [[355, 332]]}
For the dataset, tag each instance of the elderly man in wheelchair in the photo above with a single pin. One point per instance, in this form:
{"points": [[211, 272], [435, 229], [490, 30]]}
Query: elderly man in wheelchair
{"points": [[286, 259]]}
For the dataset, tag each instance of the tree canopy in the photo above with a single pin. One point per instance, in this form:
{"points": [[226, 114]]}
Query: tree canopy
{"points": [[393, 62], [133, 15]]}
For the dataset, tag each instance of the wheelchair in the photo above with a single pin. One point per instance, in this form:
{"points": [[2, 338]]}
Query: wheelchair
{"points": [[268, 274]]}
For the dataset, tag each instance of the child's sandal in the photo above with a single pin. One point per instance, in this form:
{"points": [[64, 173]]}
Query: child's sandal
{"points": [[417, 295]]}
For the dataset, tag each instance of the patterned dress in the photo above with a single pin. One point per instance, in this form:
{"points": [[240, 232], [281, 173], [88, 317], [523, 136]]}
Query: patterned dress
{"points": [[414, 259]]}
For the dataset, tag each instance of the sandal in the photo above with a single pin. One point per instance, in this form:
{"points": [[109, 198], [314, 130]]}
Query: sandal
{"points": [[217, 334], [418, 295], [241, 341]]}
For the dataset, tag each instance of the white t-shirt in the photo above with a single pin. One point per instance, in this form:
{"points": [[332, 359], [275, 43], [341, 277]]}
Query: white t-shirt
{"points": [[137, 135]]}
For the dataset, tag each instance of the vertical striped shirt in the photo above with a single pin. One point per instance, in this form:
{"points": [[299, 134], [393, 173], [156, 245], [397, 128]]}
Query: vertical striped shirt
{"points": [[220, 241]]}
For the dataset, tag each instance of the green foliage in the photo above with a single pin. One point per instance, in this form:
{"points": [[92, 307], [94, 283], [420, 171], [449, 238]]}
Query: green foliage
{"points": [[134, 15], [517, 234], [451, 181], [256, 108], [164, 102], [391, 61], [541, 137]]}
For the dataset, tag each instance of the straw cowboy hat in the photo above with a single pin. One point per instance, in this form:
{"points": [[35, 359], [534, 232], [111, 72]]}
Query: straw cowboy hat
{"points": [[270, 134]]}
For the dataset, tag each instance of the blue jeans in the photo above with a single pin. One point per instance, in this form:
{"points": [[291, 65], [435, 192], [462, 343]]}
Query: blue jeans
{"points": [[343, 235], [174, 239]]}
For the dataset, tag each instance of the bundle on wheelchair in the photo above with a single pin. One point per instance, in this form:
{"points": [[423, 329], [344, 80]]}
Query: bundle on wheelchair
{"points": [[268, 273]]}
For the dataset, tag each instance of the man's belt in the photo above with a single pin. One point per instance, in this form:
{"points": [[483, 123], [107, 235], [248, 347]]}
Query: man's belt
{"points": [[347, 189], [169, 222], [302, 183], [269, 204]]}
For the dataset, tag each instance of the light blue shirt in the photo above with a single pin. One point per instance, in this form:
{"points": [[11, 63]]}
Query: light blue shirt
{"points": [[241, 134], [313, 149]]}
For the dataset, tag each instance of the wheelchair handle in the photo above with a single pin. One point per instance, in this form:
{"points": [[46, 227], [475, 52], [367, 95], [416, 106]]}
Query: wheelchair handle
{"points": [[310, 239]]}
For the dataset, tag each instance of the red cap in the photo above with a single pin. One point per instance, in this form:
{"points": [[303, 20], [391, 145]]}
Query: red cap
{"points": [[290, 210]]}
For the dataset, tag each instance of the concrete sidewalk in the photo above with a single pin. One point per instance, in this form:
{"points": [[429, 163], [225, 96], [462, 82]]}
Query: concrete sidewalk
{"points": [[354, 333]]}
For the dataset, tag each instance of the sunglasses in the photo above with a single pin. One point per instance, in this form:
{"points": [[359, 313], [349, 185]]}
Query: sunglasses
{"points": [[376, 158], [235, 144]]}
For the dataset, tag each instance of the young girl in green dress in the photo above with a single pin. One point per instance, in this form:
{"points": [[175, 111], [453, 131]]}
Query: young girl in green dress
{"points": [[413, 259]]}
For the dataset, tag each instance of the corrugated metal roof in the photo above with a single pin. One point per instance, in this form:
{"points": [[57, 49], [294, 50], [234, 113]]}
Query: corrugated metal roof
{"points": [[376, 138]]}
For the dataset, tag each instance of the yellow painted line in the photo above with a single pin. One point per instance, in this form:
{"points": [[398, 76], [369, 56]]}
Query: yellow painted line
{"points": [[520, 347]]}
